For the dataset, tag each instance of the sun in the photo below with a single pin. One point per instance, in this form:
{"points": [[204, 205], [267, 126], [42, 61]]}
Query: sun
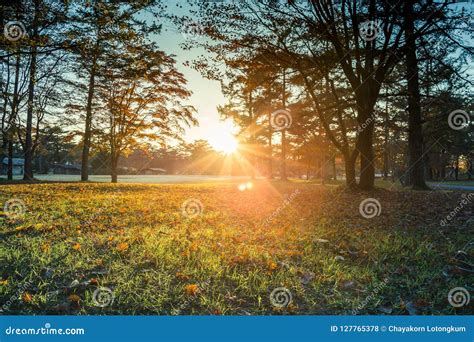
{"points": [[222, 138]]}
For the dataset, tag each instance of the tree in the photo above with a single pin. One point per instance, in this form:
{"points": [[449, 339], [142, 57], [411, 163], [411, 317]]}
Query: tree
{"points": [[140, 93], [99, 27]]}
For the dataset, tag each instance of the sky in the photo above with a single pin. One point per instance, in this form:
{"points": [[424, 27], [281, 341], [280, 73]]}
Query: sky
{"points": [[206, 95]]}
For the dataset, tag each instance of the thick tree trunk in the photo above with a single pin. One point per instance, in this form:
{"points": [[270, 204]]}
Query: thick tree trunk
{"points": [[87, 130], [367, 171], [415, 129], [28, 175], [349, 165]]}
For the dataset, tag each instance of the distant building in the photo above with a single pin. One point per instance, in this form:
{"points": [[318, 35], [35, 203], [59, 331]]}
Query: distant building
{"points": [[18, 166], [153, 171], [67, 169]]}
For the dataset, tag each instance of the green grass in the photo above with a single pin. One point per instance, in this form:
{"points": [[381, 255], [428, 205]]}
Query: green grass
{"points": [[135, 240]]}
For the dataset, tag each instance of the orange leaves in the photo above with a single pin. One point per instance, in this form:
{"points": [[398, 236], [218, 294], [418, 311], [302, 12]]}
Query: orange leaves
{"points": [[77, 246], [272, 266], [122, 247], [122, 210], [45, 248], [74, 298], [182, 276], [191, 289], [26, 297]]}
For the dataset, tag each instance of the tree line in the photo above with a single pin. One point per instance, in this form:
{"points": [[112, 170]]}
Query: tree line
{"points": [[375, 84], [369, 81]]}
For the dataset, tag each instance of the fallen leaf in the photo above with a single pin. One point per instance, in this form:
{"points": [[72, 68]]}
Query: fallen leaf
{"points": [[182, 276], [191, 289], [77, 246], [74, 298], [26, 297], [122, 247], [272, 266]]}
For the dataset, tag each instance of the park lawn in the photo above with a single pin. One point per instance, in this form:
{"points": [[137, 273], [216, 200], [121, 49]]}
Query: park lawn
{"points": [[307, 238]]}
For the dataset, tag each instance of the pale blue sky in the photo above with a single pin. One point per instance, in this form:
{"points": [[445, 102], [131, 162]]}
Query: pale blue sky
{"points": [[207, 94]]}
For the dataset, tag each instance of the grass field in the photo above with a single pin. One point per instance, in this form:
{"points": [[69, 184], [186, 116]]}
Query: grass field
{"points": [[215, 249]]}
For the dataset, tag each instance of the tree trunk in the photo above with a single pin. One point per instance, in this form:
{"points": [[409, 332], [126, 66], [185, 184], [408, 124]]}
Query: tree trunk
{"points": [[283, 155], [87, 130], [334, 171], [456, 168], [114, 168], [349, 165], [415, 129], [367, 171], [270, 147], [28, 175], [14, 112], [283, 132], [10, 159]]}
